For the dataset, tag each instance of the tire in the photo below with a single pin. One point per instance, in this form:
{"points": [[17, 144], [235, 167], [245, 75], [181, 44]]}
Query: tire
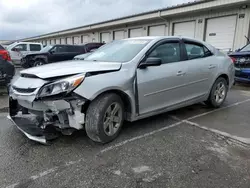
{"points": [[98, 113], [212, 102], [38, 62]]}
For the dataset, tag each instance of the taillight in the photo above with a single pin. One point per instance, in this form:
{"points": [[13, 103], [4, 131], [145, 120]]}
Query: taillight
{"points": [[234, 60], [5, 55]]}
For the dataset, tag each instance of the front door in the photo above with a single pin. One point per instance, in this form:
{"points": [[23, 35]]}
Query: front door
{"points": [[162, 86]]}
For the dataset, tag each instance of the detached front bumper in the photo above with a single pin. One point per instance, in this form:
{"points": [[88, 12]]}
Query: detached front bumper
{"points": [[43, 121]]}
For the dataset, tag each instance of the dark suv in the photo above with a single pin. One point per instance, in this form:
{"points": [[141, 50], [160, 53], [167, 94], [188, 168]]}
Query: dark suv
{"points": [[241, 59], [55, 53]]}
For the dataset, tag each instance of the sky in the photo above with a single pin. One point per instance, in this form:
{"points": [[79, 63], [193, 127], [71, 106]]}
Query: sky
{"points": [[26, 18]]}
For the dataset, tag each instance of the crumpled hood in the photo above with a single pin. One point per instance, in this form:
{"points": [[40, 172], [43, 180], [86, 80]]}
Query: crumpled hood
{"points": [[70, 67]]}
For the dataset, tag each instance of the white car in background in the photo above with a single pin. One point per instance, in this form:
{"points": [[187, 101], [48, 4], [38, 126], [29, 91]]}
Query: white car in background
{"points": [[18, 50]]}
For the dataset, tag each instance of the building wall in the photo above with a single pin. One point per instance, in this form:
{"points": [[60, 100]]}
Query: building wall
{"points": [[242, 26]]}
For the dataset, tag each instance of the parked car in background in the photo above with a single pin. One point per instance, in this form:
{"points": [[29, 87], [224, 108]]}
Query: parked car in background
{"points": [[7, 69], [55, 53], [18, 50], [90, 48], [126, 79], [241, 59]]}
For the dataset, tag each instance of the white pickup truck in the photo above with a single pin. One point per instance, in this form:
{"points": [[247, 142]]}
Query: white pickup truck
{"points": [[18, 50]]}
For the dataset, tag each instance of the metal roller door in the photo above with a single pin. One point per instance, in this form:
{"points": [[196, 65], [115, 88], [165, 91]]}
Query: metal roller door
{"points": [[63, 41], [220, 32], [186, 29], [118, 35], [84, 39], [52, 41], [48, 42], [69, 40], [157, 30], [105, 37], [57, 41], [76, 40], [135, 32]]}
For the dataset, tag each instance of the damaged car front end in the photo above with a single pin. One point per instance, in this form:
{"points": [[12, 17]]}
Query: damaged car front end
{"points": [[39, 108]]}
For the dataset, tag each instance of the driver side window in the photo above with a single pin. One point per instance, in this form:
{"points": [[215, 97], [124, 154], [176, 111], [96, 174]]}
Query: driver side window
{"points": [[167, 52]]}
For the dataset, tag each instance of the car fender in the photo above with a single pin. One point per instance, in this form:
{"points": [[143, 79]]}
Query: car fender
{"points": [[122, 81], [44, 57]]}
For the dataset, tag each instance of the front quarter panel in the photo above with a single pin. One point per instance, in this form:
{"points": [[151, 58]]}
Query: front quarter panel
{"points": [[122, 80]]}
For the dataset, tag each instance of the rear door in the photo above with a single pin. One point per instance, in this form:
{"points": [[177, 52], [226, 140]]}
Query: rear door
{"points": [[201, 69], [162, 86]]}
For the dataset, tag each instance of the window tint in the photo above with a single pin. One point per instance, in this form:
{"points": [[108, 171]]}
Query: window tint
{"points": [[60, 49], [21, 47], [35, 47], [195, 51], [74, 49], [168, 52]]}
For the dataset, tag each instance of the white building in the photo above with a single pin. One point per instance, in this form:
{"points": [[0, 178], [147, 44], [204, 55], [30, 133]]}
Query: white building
{"points": [[223, 23]]}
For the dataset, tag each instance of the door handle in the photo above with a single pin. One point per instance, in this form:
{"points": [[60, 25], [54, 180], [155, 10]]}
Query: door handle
{"points": [[211, 66], [180, 73]]}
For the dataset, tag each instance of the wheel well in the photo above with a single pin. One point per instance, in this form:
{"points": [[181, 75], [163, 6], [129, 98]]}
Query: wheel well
{"points": [[225, 77], [124, 97]]}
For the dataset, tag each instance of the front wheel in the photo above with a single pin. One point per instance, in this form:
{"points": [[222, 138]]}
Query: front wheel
{"points": [[218, 93], [104, 118], [38, 63]]}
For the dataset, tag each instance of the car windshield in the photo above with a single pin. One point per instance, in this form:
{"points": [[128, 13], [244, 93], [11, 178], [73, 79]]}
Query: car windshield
{"points": [[119, 51], [246, 48], [46, 49]]}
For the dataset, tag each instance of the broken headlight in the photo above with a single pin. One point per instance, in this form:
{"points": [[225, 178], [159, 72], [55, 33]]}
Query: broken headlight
{"points": [[61, 86]]}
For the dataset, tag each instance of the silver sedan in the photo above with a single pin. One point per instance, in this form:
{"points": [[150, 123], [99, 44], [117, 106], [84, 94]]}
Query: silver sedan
{"points": [[127, 79]]}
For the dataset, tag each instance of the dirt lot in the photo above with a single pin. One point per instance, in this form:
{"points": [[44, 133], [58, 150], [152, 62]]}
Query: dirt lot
{"points": [[190, 147]]}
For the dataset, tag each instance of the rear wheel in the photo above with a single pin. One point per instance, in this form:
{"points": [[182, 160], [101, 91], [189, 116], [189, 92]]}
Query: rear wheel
{"points": [[104, 118], [218, 93]]}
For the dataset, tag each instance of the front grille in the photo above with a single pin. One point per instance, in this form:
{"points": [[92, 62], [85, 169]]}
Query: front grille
{"points": [[22, 90]]}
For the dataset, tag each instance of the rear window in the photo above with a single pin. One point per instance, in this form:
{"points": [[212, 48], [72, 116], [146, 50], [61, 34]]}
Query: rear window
{"points": [[35, 47], [1, 47]]}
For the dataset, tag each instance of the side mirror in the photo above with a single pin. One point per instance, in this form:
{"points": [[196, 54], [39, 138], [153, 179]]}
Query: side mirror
{"points": [[151, 61], [52, 51]]}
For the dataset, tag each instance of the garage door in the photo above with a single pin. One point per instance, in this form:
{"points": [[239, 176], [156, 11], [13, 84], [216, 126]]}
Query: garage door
{"points": [[220, 32], [105, 37], [135, 32], [157, 30], [76, 40], [84, 39], [69, 40], [118, 35], [52, 41], [57, 41], [63, 41], [185, 29]]}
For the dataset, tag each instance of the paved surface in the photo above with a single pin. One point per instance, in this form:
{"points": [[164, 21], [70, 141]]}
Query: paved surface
{"points": [[169, 150]]}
